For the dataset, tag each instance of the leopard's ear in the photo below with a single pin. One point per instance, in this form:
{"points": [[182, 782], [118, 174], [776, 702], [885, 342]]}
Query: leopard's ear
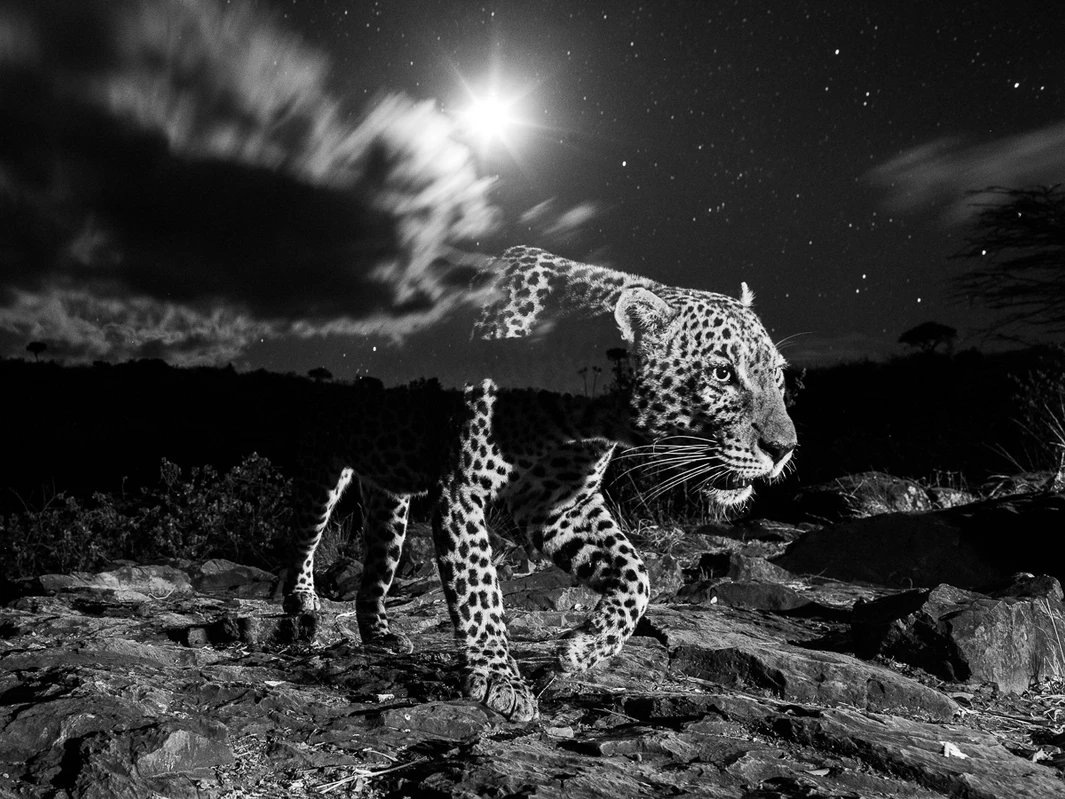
{"points": [[640, 312], [746, 295]]}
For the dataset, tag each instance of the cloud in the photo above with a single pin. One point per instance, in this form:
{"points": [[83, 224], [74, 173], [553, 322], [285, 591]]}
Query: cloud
{"points": [[185, 167], [938, 174], [547, 224]]}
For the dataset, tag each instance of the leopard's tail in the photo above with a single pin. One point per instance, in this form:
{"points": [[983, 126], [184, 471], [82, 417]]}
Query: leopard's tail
{"points": [[534, 287]]}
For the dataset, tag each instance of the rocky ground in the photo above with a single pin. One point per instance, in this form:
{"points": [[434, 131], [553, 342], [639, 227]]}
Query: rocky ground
{"points": [[885, 656]]}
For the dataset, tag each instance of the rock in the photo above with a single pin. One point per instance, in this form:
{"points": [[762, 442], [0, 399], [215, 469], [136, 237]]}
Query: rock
{"points": [[977, 546], [861, 495], [754, 595], [446, 721], [893, 745], [341, 580], [96, 700], [126, 583], [665, 573], [255, 631], [944, 497], [225, 578], [713, 645], [747, 568], [419, 553], [144, 762], [1011, 641], [552, 589]]}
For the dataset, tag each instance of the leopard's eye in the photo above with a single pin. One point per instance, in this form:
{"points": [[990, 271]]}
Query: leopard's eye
{"points": [[722, 373]]}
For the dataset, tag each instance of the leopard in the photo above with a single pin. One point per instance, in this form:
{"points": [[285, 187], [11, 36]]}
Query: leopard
{"points": [[704, 403]]}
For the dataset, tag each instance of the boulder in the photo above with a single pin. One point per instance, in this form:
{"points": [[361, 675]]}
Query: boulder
{"points": [[1013, 640], [858, 496], [126, 583], [978, 546], [225, 578], [721, 647]]}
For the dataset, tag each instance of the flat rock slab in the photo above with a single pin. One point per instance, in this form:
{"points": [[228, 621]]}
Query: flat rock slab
{"points": [[717, 646], [957, 761]]}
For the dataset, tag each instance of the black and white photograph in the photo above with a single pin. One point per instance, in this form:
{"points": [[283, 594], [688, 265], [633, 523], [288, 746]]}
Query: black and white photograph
{"points": [[429, 398]]}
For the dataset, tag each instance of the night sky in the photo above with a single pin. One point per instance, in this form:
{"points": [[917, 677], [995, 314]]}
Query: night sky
{"points": [[298, 184]]}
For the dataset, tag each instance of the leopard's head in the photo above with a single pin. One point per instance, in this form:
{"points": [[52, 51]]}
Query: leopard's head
{"points": [[707, 401]]}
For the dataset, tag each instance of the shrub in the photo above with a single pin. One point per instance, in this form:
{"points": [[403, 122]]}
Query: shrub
{"points": [[1040, 408], [242, 515]]}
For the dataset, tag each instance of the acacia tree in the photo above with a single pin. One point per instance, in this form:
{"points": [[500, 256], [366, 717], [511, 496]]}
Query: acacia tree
{"points": [[929, 335], [1018, 243], [36, 347]]}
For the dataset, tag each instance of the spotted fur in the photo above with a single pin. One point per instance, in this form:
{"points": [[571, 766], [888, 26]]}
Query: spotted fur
{"points": [[706, 405]]}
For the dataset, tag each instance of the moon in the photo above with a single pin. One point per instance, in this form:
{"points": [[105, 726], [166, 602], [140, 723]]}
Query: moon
{"points": [[489, 119]]}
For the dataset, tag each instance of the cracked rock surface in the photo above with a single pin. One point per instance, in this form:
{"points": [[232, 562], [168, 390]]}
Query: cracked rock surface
{"points": [[744, 680]]}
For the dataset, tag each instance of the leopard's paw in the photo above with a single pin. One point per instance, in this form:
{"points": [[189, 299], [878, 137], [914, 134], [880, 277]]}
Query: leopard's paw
{"points": [[301, 601], [503, 693], [581, 649], [388, 643]]}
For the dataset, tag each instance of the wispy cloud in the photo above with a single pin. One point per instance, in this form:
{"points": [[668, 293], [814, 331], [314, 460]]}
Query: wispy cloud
{"points": [[549, 223], [937, 175], [177, 175]]}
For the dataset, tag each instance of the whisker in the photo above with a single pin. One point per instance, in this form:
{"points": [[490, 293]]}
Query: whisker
{"points": [[663, 463], [683, 477]]}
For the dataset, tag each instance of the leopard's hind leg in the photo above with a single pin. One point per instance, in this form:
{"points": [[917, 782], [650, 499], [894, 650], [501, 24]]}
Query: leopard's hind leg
{"points": [[314, 501], [384, 529]]}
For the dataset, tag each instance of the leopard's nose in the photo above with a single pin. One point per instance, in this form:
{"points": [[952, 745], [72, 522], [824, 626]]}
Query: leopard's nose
{"points": [[775, 448]]}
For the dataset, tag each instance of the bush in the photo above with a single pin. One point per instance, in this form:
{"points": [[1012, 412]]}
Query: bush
{"points": [[243, 515], [1040, 409]]}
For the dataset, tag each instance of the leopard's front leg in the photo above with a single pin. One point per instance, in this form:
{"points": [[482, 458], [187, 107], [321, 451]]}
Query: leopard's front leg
{"points": [[475, 602]]}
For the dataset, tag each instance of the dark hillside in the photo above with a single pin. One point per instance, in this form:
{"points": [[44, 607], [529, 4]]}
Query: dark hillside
{"points": [[105, 428], [923, 415]]}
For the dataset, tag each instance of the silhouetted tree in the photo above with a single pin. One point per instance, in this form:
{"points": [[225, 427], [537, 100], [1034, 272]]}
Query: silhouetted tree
{"points": [[320, 373], [36, 347], [1018, 242], [583, 372], [929, 335]]}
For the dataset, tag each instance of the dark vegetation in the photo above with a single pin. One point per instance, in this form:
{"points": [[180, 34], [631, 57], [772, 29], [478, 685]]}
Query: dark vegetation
{"points": [[142, 460], [1017, 250]]}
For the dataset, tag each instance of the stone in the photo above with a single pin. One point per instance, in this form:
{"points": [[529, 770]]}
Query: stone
{"points": [[552, 589], [977, 546], [665, 573], [945, 497], [746, 568], [755, 595], [713, 645], [895, 745], [97, 699], [857, 496], [126, 583], [445, 721], [341, 580], [225, 578], [263, 631], [1011, 641]]}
